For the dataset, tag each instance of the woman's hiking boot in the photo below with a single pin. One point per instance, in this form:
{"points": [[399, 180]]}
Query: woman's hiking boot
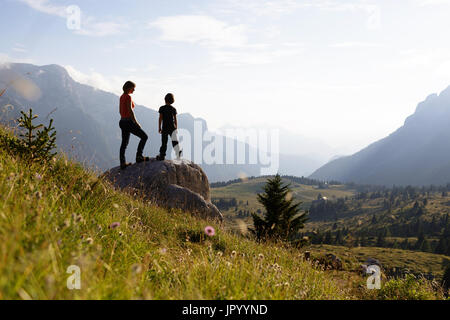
{"points": [[123, 166]]}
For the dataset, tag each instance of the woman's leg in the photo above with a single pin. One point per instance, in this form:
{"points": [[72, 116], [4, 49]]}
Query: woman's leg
{"points": [[141, 134], [125, 141]]}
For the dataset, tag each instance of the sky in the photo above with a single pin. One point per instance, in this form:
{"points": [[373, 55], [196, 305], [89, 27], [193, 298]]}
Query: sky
{"points": [[347, 72]]}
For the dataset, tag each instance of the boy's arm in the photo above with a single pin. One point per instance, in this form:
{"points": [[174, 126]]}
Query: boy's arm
{"points": [[176, 122], [159, 122]]}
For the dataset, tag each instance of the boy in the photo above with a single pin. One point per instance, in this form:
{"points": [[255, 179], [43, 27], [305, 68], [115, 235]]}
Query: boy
{"points": [[129, 124], [168, 119]]}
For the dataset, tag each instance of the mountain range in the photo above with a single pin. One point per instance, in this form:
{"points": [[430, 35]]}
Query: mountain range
{"points": [[416, 154], [86, 120]]}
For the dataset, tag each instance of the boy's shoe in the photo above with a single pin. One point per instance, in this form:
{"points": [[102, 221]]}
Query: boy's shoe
{"points": [[142, 159], [123, 166], [160, 158]]}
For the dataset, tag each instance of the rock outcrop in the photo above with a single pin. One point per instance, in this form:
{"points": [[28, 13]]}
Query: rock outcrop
{"points": [[178, 184]]}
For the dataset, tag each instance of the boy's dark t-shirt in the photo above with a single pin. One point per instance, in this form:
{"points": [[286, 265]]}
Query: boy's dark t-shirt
{"points": [[168, 114]]}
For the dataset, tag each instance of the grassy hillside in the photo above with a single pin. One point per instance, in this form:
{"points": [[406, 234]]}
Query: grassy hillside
{"points": [[56, 215]]}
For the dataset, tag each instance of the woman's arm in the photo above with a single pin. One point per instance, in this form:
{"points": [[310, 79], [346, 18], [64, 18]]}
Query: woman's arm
{"points": [[130, 110], [159, 122]]}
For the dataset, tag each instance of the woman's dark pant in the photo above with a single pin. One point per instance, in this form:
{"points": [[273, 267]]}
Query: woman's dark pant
{"points": [[128, 126], [165, 138]]}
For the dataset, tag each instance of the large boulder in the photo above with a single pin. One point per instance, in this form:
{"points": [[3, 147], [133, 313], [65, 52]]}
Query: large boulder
{"points": [[177, 184]]}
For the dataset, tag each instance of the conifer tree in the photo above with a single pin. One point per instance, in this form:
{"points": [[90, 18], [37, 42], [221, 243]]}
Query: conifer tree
{"points": [[282, 218], [35, 144]]}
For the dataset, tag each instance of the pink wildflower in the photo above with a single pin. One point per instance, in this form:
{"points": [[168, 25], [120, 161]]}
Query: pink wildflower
{"points": [[210, 231], [114, 225]]}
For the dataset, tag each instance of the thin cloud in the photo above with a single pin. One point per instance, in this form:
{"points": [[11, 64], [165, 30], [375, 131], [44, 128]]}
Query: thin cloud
{"points": [[200, 29], [283, 7], [46, 7], [254, 56], [357, 45], [89, 25], [6, 59], [424, 3], [19, 48], [96, 80]]}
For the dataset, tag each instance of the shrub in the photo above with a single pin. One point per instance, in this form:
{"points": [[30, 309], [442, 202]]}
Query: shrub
{"points": [[446, 280], [408, 288], [35, 143]]}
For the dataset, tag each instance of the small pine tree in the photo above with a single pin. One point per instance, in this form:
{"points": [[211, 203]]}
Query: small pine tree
{"points": [[420, 241], [328, 238], [281, 218], [36, 145], [374, 220]]}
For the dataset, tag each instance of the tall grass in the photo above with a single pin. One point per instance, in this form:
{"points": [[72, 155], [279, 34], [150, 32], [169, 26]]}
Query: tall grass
{"points": [[59, 214]]}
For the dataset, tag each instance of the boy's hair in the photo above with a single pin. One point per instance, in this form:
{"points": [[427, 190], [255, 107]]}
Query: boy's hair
{"points": [[169, 98], [128, 86]]}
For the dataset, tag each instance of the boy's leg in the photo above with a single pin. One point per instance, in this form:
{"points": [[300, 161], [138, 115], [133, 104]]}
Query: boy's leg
{"points": [[164, 140], [176, 144], [125, 141], [141, 134]]}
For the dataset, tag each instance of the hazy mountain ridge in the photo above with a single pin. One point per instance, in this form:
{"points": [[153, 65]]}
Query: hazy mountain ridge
{"points": [[414, 154], [87, 118]]}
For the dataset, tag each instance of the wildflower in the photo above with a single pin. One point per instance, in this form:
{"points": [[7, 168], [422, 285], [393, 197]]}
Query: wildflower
{"points": [[90, 240], [114, 225], [78, 218], [120, 233], [38, 195], [67, 223], [115, 205], [38, 176], [260, 256], [210, 231], [163, 250], [233, 254], [189, 252], [276, 267], [136, 268], [219, 253]]}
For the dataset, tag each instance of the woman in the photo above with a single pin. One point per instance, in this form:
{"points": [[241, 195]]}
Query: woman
{"points": [[129, 124]]}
